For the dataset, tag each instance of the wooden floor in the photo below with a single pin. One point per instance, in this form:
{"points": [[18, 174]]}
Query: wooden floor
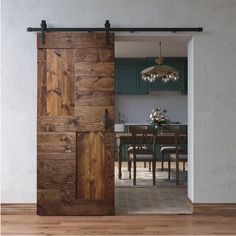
{"points": [[22, 220]]}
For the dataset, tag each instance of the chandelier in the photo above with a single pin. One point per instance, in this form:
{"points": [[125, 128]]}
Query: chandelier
{"points": [[159, 71]]}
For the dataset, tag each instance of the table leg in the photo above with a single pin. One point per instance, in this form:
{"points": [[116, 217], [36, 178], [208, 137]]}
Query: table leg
{"points": [[120, 162]]}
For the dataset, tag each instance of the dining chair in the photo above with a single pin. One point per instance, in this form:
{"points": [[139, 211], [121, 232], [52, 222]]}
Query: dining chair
{"points": [[130, 148], [143, 149], [180, 154], [167, 150]]}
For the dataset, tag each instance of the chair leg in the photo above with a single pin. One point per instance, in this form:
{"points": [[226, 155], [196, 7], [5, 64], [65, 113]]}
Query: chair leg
{"points": [[145, 164], [162, 161], [129, 168], [154, 172], [134, 177], [183, 165], [149, 168], [177, 173], [169, 165]]}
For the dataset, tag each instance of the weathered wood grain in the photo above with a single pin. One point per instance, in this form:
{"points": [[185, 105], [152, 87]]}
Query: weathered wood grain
{"points": [[75, 207], [95, 69], [95, 152], [97, 170], [56, 124], [91, 118], [46, 167], [60, 81], [83, 155], [64, 195], [109, 184], [56, 156], [67, 40], [94, 84], [46, 138], [42, 82], [68, 148], [94, 54], [94, 98], [52, 142], [75, 86], [56, 181]]}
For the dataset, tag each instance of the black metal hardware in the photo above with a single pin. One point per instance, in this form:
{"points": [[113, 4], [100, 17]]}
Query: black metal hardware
{"points": [[107, 27], [43, 30], [106, 119]]}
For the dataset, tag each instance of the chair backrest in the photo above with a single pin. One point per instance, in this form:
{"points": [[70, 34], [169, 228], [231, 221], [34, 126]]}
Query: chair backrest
{"points": [[144, 136]]}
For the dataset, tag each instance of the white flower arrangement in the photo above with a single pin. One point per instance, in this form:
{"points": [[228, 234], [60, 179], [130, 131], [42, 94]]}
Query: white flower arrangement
{"points": [[158, 117]]}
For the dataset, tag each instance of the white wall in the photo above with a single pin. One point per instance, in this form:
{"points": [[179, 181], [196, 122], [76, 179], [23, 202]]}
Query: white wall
{"points": [[212, 83], [137, 108]]}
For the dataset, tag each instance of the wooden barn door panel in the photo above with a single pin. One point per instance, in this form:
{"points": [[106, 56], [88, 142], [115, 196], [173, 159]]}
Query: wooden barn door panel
{"points": [[75, 148], [56, 82], [94, 155]]}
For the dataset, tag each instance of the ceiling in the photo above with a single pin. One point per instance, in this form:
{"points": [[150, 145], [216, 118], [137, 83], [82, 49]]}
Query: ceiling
{"points": [[148, 46]]}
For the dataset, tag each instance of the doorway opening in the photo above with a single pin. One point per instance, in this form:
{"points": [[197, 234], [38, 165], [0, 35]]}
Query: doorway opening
{"points": [[134, 101]]}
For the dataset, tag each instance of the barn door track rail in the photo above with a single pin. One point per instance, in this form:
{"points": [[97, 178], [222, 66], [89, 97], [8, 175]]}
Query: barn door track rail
{"points": [[107, 28]]}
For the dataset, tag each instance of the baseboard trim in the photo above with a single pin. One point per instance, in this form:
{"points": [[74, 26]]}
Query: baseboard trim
{"points": [[18, 208], [212, 208]]}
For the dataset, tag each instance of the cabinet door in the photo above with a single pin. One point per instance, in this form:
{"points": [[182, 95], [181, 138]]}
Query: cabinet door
{"points": [[178, 63], [75, 145], [128, 76]]}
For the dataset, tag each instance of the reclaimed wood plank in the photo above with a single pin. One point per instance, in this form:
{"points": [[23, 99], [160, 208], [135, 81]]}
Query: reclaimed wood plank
{"points": [[94, 98], [75, 207], [97, 170], [94, 83], [60, 82], [109, 182], [56, 181], [83, 156], [67, 40], [45, 167], [94, 54], [51, 138], [91, 118], [56, 156], [95, 69], [42, 79], [56, 124]]}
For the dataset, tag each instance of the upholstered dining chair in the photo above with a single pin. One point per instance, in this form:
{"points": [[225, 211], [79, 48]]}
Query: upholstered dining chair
{"points": [[143, 149], [180, 154], [167, 150], [130, 148]]}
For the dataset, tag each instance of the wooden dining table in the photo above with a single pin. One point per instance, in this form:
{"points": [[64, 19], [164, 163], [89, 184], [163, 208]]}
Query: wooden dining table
{"points": [[127, 138]]}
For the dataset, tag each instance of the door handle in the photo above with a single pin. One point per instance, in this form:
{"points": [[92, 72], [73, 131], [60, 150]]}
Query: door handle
{"points": [[106, 119]]}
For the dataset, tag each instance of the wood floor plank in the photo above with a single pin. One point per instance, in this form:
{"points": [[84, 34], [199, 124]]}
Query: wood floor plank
{"points": [[21, 219]]}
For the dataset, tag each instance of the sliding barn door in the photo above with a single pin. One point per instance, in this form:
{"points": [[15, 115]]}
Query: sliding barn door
{"points": [[75, 144]]}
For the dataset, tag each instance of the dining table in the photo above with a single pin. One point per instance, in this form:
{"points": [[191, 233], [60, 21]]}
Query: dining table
{"points": [[127, 138]]}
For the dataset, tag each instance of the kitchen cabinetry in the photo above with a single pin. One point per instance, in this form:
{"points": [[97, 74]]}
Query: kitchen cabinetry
{"points": [[128, 76]]}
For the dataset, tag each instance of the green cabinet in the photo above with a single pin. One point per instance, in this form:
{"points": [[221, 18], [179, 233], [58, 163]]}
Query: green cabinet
{"points": [[128, 76], [181, 85]]}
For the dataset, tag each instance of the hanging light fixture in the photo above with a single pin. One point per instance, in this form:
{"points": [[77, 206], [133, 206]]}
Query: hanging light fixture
{"points": [[159, 71]]}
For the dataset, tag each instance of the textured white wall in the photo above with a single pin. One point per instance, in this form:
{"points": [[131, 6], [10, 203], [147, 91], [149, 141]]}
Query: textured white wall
{"points": [[213, 83]]}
